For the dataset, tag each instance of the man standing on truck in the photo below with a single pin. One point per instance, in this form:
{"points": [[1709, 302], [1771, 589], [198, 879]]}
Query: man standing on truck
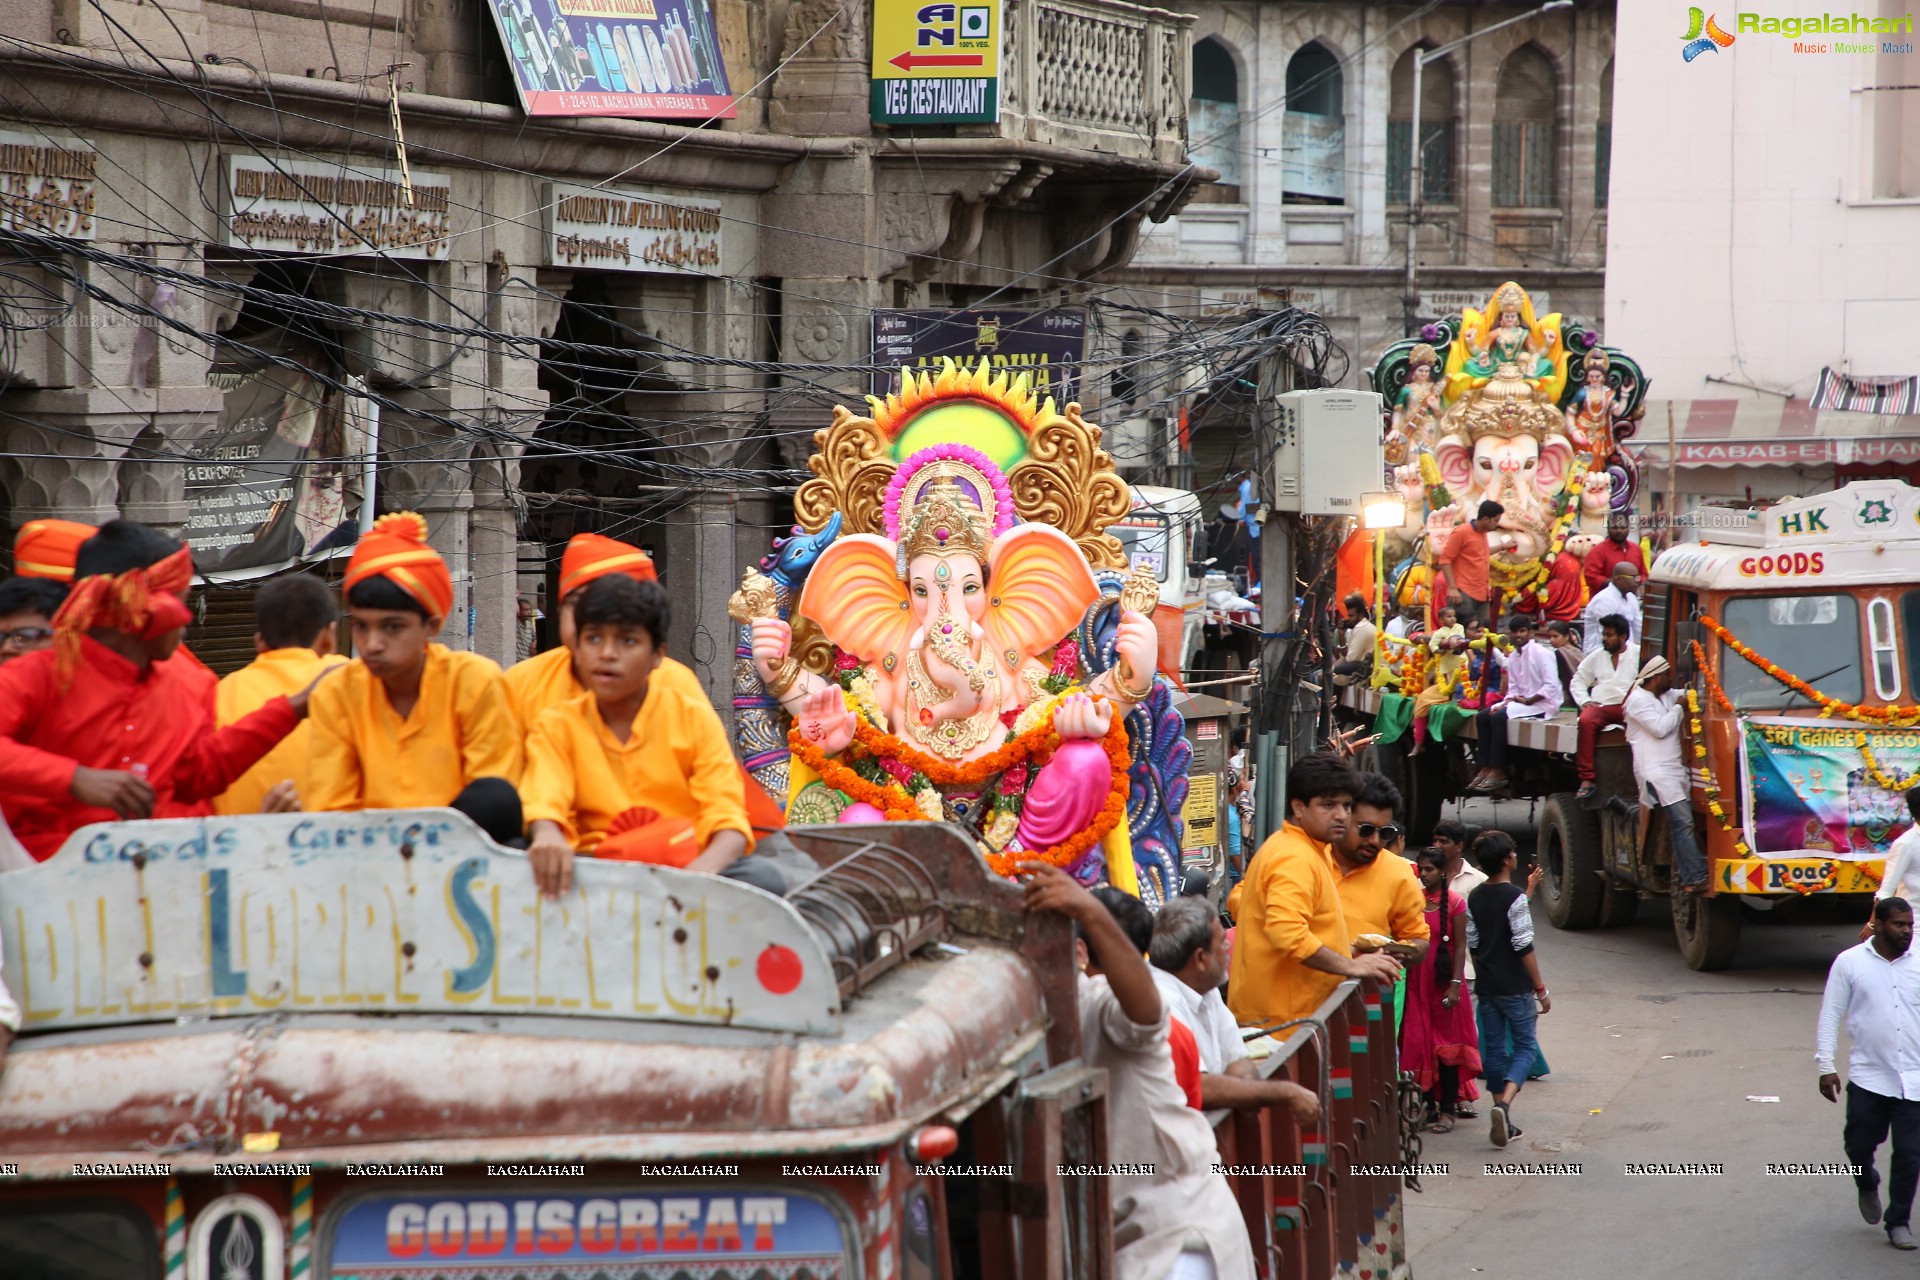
{"points": [[1468, 558], [1621, 596], [1652, 713], [1876, 988], [1177, 1218], [1292, 946], [1600, 687], [1618, 549]]}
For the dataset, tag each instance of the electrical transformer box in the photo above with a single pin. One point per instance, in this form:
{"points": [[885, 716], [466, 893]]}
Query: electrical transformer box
{"points": [[1329, 451]]}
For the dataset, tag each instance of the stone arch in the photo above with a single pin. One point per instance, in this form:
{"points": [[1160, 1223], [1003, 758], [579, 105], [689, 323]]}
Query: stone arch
{"points": [[1213, 112], [1603, 138], [1313, 136], [1526, 128]]}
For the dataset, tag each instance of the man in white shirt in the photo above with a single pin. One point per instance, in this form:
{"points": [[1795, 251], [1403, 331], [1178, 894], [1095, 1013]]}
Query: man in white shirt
{"points": [[1876, 988], [1901, 876], [1533, 693], [1179, 1221], [1600, 686], [1357, 665], [1653, 714], [1621, 595], [1189, 954]]}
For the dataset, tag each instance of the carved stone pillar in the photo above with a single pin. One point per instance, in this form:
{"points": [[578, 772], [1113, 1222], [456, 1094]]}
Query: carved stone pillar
{"points": [[700, 573], [821, 88]]}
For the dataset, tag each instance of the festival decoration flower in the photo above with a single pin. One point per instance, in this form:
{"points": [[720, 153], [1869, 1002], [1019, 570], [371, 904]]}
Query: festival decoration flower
{"points": [[967, 455], [1707, 782], [1895, 716]]}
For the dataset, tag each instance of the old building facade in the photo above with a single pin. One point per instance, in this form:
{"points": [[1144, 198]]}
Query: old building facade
{"points": [[349, 195]]}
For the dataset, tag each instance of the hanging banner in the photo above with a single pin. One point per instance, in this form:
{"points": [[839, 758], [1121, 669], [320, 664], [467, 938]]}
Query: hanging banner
{"points": [[271, 486], [1049, 346], [1810, 790], [653, 59], [936, 63]]}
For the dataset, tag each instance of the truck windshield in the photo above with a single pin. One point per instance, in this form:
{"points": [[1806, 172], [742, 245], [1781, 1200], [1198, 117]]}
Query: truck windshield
{"points": [[1810, 636], [1144, 537]]}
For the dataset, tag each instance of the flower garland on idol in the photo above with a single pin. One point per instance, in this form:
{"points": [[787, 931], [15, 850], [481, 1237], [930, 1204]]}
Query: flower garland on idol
{"points": [[901, 781], [1536, 572]]}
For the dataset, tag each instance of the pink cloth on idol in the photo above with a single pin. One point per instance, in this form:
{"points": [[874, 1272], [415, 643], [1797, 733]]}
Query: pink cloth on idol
{"points": [[1067, 795]]}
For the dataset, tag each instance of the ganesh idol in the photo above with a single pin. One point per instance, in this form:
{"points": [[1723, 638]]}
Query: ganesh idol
{"points": [[974, 664]]}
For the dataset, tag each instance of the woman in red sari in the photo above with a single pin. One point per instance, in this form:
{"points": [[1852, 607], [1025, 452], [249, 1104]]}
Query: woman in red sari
{"points": [[1438, 1040]]}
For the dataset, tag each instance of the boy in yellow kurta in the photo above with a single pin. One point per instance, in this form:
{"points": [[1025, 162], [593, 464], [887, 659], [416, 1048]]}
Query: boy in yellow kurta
{"points": [[634, 768], [409, 723], [548, 679], [296, 615]]}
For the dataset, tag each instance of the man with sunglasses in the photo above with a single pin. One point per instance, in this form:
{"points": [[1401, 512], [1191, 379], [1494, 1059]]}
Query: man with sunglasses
{"points": [[1380, 894], [27, 606]]}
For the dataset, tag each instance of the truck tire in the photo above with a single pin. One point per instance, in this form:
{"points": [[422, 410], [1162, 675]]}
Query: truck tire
{"points": [[1707, 929], [1569, 852]]}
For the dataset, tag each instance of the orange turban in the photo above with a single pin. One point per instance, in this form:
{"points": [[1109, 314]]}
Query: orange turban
{"points": [[48, 548], [590, 556], [141, 602], [396, 549]]}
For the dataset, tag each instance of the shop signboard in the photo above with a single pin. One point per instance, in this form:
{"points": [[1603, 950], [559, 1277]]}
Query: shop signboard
{"points": [[653, 59], [323, 207], [624, 229], [47, 184], [936, 63], [1049, 346]]}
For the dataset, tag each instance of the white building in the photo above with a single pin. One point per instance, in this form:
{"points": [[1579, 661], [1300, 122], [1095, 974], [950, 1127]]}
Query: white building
{"points": [[1763, 228]]}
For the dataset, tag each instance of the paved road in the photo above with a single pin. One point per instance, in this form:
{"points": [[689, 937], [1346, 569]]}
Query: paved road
{"points": [[1654, 1062]]}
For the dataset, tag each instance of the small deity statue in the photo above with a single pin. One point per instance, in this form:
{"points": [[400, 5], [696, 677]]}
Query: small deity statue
{"points": [[1418, 408], [1507, 334], [1590, 412]]}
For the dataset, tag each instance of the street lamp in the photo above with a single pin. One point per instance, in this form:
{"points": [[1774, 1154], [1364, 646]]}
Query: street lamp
{"points": [[1421, 57], [1380, 512]]}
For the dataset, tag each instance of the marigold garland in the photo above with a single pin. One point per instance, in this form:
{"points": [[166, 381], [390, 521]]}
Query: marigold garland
{"points": [[893, 800], [1899, 717], [1873, 769], [1707, 783]]}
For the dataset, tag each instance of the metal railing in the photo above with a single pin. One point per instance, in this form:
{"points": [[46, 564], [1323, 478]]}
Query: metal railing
{"points": [[1310, 1213]]}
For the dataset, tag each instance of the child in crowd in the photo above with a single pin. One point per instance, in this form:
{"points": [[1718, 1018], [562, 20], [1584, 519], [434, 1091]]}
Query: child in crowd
{"points": [[108, 722], [635, 768], [296, 616], [1508, 990], [410, 723], [1448, 645], [27, 606]]}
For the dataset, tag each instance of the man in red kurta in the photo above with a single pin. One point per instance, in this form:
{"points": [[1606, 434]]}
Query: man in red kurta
{"points": [[102, 725], [1616, 548]]}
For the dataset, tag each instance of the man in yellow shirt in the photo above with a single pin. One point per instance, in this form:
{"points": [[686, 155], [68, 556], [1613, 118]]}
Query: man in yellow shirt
{"points": [[551, 678], [296, 615], [1292, 946], [635, 768], [409, 723], [1380, 892]]}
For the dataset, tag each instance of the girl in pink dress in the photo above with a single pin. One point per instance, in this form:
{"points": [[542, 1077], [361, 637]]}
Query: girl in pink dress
{"points": [[1438, 1041]]}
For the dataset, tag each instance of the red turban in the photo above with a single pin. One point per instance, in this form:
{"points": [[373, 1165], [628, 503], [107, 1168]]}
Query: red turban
{"points": [[141, 602], [590, 557], [396, 549], [48, 548]]}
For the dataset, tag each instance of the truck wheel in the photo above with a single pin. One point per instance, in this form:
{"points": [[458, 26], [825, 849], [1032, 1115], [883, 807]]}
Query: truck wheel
{"points": [[1708, 929], [1570, 855]]}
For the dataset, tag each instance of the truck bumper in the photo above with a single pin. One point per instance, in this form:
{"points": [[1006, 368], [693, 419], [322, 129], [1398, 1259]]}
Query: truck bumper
{"points": [[1796, 875]]}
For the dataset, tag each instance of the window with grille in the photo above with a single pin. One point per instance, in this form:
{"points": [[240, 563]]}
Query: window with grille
{"points": [[1525, 111], [1603, 138], [1437, 130]]}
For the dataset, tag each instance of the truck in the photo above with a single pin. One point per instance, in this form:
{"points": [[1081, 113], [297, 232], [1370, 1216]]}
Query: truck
{"points": [[1794, 633], [359, 1046]]}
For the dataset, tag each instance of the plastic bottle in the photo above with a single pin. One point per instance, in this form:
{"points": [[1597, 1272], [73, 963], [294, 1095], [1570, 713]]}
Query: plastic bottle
{"points": [[619, 84]]}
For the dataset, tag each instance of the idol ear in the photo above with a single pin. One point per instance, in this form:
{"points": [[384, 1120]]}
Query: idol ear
{"points": [[1556, 452], [1455, 461], [857, 598], [1039, 587]]}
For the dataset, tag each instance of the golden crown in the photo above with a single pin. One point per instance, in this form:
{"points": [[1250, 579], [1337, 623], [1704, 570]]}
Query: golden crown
{"points": [[1596, 359], [1510, 297], [943, 522]]}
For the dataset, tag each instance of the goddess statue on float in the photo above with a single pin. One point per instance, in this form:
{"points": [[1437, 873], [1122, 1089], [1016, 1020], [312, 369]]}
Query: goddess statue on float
{"points": [[1482, 406], [951, 635]]}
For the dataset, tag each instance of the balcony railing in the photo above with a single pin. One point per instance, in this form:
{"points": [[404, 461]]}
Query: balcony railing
{"points": [[1099, 75]]}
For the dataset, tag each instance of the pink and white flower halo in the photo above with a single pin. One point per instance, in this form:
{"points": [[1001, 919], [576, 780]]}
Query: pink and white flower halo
{"points": [[1004, 515]]}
